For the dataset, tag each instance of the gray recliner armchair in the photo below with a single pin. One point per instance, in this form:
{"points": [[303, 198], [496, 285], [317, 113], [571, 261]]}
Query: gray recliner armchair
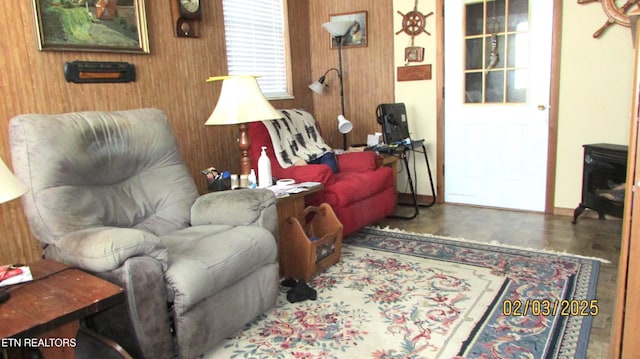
{"points": [[110, 194]]}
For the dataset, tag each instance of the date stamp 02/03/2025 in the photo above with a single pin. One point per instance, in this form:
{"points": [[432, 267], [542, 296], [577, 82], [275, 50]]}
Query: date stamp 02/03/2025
{"points": [[550, 307]]}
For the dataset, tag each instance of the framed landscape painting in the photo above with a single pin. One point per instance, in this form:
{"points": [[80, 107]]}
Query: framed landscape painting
{"points": [[357, 34], [92, 25]]}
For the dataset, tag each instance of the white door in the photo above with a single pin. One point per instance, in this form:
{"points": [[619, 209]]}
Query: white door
{"points": [[497, 77]]}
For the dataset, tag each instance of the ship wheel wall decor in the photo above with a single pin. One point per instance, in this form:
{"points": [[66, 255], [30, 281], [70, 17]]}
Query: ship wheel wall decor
{"points": [[413, 24], [615, 14]]}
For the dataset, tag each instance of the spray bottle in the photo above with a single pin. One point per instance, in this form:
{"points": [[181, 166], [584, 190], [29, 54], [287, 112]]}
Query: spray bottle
{"points": [[252, 179]]}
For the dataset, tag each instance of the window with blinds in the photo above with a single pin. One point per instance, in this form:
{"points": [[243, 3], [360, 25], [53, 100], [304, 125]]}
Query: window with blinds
{"points": [[257, 43]]}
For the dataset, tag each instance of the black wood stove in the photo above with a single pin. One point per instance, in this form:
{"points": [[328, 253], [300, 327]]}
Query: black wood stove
{"points": [[603, 180]]}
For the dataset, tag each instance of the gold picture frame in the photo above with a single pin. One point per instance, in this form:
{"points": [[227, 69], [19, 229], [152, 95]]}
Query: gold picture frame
{"points": [[414, 54], [92, 25], [357, 35]]}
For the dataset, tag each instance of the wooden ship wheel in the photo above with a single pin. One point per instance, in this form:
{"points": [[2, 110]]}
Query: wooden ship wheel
{"points": [[413, 23], [615, 14], [618, 15]]}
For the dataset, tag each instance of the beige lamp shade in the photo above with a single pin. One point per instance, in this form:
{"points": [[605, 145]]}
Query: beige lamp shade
{"points": [[338, 28], [240, 101], [10, 187]]}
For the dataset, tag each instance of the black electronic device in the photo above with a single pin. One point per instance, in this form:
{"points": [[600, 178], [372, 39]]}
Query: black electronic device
{"points": [[99, 71], [393, 118]]}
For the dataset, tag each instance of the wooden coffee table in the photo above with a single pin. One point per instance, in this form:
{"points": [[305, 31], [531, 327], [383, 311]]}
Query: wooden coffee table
{"points": [[45, 312]]}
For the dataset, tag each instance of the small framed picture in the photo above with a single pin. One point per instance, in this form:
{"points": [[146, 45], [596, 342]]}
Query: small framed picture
{"points": [[357, 34], [414, 54], [97, 25]]}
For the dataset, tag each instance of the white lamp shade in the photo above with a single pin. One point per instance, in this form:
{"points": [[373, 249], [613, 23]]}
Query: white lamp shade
{"points": [[10, 187], [344, 125], [317, 87], [240, 101], [338, 28]]}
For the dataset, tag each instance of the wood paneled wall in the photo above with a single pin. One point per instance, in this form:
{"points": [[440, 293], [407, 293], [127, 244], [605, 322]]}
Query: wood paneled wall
{"points": [[368, 71], [172, 78]]}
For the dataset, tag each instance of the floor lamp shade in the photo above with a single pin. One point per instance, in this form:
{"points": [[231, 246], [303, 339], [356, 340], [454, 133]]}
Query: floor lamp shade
{"points": [[10, 187], [338, 28], [241, 102]]}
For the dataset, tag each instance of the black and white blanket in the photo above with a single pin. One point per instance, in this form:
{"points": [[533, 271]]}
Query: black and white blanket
{"points": [[296, 137]]}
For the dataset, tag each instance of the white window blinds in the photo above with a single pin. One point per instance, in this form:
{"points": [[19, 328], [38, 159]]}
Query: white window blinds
{"points": [[255, 38]]}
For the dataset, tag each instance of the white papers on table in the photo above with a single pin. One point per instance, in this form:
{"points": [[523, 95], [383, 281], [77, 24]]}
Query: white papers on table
{"points": [[281, 190], [25, 276], [308, 184]]}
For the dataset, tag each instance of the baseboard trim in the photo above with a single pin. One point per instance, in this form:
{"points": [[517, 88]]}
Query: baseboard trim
{"points": [[405, 198], [588, 213], [422, 199], [559, 211]]}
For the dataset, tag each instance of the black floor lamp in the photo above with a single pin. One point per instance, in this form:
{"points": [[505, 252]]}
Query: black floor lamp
{"points": [[337, 29]]}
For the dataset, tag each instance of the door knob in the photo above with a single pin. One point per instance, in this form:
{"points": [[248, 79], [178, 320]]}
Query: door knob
{"points": [[542, 107]]}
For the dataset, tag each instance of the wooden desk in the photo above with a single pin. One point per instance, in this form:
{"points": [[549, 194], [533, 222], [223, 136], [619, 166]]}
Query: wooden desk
{"points": [[46, 311]]}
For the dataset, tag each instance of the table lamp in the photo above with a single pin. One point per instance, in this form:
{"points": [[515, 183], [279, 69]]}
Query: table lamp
{"points": [[10, 187], [241, 102], [337, 29]]}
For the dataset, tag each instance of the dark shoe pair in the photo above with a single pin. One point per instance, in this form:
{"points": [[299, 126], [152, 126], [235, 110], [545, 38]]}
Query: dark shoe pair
{"points": [[299, 291]]}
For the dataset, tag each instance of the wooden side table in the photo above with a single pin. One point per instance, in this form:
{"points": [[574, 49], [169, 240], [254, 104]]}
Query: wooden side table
{"points": [[46, 312], [290, 206], [388, 160]]}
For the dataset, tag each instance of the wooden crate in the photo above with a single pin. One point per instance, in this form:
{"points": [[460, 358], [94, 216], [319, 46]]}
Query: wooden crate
{"points": [[313, 242]]}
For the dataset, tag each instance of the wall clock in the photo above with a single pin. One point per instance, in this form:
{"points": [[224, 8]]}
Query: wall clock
{"points": [[190, 9], [186, 16]]}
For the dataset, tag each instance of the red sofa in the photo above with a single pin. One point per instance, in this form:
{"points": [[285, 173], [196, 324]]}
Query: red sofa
{"points": [[360, 194]]}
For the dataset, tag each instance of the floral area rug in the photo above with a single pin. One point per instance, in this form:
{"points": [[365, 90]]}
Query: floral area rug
{"points": [[545, 312], [374, 304], [402, 295]]}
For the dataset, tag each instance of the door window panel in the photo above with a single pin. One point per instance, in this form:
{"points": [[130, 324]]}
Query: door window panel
{"points": [[499, 44], [475, 54], [518, 45], [494, 87], [518, 14], [475, 19], [473, 87], [495, 11], [517, 81], [497, 51]]}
